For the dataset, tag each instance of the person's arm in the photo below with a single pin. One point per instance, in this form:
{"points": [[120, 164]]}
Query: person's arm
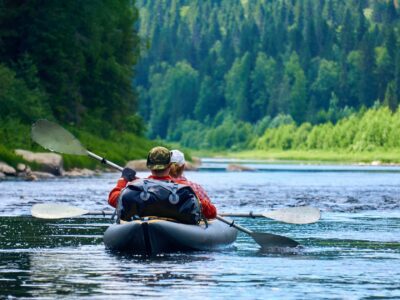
{"points": [[114, 194], [127, 175], [207, 208]]}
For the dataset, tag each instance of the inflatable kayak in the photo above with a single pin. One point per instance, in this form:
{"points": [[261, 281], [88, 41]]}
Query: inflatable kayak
{"points": [[160, 236]]}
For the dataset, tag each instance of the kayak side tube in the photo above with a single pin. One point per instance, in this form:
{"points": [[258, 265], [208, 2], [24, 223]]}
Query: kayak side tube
{"points": [[160, 236]]}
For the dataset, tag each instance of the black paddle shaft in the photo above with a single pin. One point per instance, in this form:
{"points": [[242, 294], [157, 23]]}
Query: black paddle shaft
{"points": [[265, 240]]}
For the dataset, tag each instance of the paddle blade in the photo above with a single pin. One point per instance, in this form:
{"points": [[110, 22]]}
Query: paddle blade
{"points": [[295, 215], [53, 137], [56, 211], [269, 240]]}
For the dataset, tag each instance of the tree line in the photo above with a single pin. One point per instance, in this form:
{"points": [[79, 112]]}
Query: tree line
{"points": [[215, 72], [69, 61]]}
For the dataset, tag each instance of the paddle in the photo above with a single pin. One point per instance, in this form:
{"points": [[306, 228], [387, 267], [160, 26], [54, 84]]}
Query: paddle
{"points": [[60, 211], [265, 240], [55, 138], [291, 215]]}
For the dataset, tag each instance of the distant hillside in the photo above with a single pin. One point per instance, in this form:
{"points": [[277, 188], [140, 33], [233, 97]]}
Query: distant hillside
{"points": [[215, 62]]}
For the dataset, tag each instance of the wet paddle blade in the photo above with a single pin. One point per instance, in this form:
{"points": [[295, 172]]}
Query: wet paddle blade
{"points": [[295, 215], [268, 240], [55, 138], [56, 211]]}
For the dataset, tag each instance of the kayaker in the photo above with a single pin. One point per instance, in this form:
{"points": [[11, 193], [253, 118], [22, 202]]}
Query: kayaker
{"points": [[158, 195], [158, 162], [176, 171]]}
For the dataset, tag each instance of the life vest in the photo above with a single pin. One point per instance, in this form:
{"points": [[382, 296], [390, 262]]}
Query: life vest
{"points": [[165, 199]]}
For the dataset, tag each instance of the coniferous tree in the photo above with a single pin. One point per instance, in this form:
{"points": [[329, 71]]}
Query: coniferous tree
{"points": [[367, 72]]}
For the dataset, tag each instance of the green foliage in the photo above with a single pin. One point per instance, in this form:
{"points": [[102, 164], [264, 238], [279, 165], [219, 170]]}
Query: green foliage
{"points": [[9, 157], [317, 61], [227, 134], [280, 120], [173, 90], [375, 129], [17, 100], [71, 62], [14, 134], [74, 63], [237, 86], [119, 148]]}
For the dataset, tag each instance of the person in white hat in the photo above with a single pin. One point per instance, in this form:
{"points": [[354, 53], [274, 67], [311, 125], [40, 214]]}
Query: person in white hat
{"points": [[177, 164], [176, 172]]}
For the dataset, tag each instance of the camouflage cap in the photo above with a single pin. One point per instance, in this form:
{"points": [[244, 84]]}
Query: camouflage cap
{"points": [[159, 158]]}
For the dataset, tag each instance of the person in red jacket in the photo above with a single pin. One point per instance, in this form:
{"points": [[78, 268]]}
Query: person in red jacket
{"points": [[160, 165], [158, 162], [176, 171]]}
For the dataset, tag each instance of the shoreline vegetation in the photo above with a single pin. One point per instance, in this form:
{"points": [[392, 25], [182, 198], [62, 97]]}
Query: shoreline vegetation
{"points": [[370, 136], [309, 156], [367, 137], [31, 170]]}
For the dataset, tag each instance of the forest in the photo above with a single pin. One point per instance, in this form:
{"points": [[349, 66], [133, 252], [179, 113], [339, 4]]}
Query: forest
{"points": [[202, 74], [217, 73], [72, 62]]}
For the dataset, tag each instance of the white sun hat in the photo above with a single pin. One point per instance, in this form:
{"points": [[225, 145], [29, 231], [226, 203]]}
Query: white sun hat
{"points": [[177, 157]]}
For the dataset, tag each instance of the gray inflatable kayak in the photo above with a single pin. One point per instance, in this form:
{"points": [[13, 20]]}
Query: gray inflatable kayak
{"points": [[160, 236]]}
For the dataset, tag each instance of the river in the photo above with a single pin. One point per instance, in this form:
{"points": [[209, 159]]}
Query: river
{"points": [[353, 252]]}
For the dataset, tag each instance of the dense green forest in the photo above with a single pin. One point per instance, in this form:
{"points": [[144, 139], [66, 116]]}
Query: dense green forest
{"points": [[218, 73], [208, 74], [71, 62]]}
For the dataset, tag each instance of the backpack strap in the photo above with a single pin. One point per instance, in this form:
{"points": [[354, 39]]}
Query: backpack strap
{"points": [[174, 197], [145, 194]]}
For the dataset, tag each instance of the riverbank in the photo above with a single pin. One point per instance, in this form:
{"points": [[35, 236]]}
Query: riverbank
{"points": [[32, 170], [390, 157], [21, 157]]}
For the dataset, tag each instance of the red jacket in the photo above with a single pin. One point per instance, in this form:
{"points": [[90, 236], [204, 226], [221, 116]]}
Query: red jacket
{"points": [[208, 209]]}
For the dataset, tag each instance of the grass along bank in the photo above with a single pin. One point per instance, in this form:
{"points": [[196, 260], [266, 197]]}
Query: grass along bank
{"points": [[118, 147], [310, 156]]}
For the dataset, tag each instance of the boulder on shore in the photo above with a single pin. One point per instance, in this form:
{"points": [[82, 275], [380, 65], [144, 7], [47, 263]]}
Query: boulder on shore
{"points": [[39, 175], [2, 176], [75, 172], [7, 169], [49, 162], [137, 165], [191, 166], [239, 168], [23, 168]]}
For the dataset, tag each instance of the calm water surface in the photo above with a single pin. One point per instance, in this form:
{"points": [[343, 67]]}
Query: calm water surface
{"points": [[352, 253]]}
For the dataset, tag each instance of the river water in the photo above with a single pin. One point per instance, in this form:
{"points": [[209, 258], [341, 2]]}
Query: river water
{"points": [[353, 252]]}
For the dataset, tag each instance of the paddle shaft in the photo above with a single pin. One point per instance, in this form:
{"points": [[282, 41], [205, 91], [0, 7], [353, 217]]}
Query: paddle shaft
{"points": [[232, 224], [219, 217], [239, 215], [104, 161]]}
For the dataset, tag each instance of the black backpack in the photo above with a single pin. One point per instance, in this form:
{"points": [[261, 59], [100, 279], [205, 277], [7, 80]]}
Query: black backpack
{"points": [[157, 198]]}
